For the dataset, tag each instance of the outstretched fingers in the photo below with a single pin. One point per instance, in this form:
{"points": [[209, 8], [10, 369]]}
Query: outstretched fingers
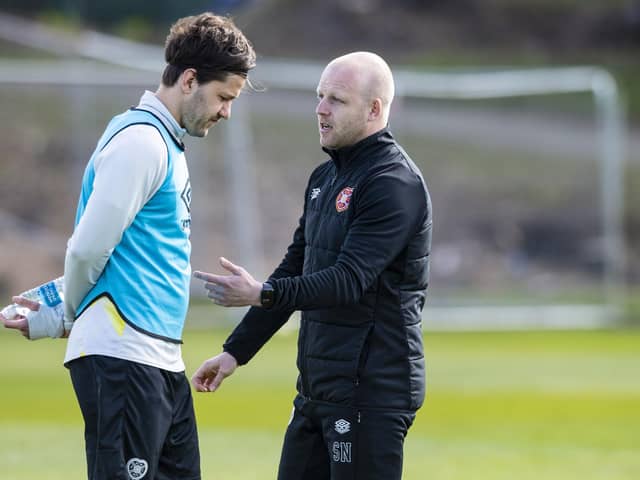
{"points": [[231, 267], [211, 278]]}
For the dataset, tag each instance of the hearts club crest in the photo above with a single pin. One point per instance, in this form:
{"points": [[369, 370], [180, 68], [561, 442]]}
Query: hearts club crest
{"points": [[137, 468], [343, 199]]}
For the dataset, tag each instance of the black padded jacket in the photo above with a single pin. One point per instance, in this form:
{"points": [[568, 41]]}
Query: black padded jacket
{"points": [[358, 270]]}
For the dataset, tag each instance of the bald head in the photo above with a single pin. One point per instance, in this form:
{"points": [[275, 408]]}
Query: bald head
{"points": [[372, 74], [354, 95]]}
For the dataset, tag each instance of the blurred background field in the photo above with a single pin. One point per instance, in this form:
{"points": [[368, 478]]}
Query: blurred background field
{"points": [[529, 405], [516, 190], [515, 182]]}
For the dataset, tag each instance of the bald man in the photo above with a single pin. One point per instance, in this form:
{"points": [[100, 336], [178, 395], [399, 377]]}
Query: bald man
{"points": [[358, 270]]}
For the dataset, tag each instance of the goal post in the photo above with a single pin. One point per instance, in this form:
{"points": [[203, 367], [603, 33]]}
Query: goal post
{"points": [[137, 65], [510, 83]]}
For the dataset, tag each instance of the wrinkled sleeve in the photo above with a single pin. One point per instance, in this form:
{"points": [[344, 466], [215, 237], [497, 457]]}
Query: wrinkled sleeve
{"points": [[389, 209]]}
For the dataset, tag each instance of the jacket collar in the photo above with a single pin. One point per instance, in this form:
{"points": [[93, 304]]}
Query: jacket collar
{"points": [[353, 154]]}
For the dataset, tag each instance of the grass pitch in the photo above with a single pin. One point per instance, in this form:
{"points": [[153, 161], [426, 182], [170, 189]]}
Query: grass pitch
{"points": [[526, 405]]}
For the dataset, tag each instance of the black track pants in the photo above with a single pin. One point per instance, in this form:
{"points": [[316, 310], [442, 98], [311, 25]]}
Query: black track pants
{"points": [[330, 442]]}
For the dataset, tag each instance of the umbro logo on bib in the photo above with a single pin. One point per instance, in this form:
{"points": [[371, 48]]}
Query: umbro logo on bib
{"points": [[186, 195]]}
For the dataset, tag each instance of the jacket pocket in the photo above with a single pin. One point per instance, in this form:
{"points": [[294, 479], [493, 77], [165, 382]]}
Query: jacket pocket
{"points": [[333, 356]]}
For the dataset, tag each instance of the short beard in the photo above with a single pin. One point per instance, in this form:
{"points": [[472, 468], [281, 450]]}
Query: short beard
{"points": [[190, 116]]}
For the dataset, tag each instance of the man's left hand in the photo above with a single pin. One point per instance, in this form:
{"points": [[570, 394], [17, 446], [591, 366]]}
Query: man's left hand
{"points": [[213, 372], [236, 290]]}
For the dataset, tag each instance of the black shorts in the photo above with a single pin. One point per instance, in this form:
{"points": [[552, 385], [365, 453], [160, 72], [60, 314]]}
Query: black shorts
{"points": [[329, 442], [139, 420]]}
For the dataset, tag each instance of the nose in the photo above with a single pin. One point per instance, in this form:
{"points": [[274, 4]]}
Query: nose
{"points": [[321, 108], [225, 110]]}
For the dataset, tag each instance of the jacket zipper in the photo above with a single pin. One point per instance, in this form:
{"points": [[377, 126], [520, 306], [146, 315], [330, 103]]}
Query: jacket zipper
{"points": [[306, 393]]}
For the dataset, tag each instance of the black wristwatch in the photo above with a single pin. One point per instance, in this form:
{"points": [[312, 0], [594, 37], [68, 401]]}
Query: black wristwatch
{"points": [[267, 295]]}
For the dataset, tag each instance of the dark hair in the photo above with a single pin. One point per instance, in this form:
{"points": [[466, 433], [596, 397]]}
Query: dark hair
{"points": [[210, 44]]}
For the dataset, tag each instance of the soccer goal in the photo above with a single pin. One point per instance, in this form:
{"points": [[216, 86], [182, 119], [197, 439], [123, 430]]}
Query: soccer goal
{"points": [[525, 168], [526, 172]]}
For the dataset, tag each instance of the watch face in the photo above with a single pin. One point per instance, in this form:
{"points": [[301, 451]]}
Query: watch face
{"points": [[266, 296]]}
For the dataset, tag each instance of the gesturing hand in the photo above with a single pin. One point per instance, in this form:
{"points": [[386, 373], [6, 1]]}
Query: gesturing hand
{"points": [[236, 290]]}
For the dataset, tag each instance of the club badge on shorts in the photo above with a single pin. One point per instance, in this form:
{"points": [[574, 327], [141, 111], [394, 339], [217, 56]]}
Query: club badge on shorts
{"points": [[343, 199], [137, 468]]}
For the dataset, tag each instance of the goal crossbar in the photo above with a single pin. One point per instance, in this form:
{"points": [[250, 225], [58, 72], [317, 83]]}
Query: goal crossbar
{"points": [[142, 60]]}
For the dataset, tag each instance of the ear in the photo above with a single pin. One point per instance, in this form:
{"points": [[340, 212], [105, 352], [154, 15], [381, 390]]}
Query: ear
{"points": [[375, 109], [188, 81]]}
